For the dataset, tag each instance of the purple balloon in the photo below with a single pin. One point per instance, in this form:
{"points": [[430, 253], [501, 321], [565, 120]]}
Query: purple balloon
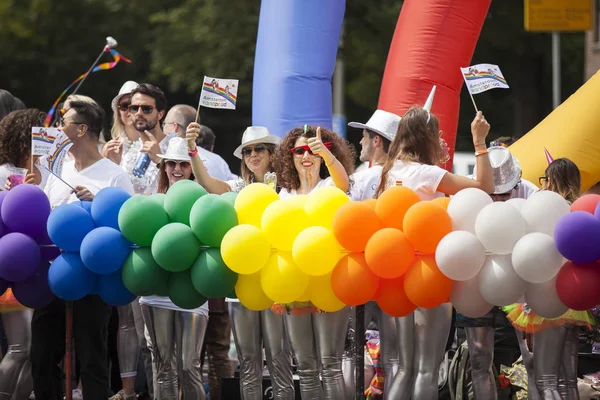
{"points": [[26, 209], [577, 237], [597, 212], [19, 257], [34, 292], [3, 286], [48, 250], [3, 229]]}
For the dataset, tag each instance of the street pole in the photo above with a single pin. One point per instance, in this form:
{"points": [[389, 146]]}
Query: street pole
{"points": [[555, 69]]}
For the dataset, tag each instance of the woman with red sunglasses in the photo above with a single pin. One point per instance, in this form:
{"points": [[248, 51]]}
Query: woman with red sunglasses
{"points": [[310, 158]]}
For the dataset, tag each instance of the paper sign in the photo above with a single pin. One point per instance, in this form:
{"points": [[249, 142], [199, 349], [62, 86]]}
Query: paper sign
{"points": [[56, 155], [482, 77], [219, 93], [42, 139]]}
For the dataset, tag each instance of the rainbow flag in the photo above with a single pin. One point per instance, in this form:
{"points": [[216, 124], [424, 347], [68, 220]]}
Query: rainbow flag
{"points": [[55, 157], [482, 77], [219, 93], [42, 139]]}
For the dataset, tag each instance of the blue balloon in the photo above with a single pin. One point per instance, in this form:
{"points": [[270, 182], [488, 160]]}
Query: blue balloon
{"points": [[69, 279], [104, 250], [106, 206], [295, 57], [86, 205], [67, 226], [112, 290]]}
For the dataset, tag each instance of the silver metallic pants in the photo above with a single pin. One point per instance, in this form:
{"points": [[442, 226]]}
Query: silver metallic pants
{"points": [[318, 344], [567, 379], [548, 347], [128, 345], [15, 370], [422, 339], [251, 331], [141, 331], [480, 341], [176, 343]]}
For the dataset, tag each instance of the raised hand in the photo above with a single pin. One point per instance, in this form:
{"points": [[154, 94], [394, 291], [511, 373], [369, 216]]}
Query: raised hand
{"points": [[191, 133], [479, 128]]}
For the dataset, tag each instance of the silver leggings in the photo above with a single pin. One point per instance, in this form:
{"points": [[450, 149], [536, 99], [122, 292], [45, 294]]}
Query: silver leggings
{"points": [[548, 347], [251, 331], [567, 379], [318, 344], [141, 331], [15, 370], [481, 353], [176, 339], [422, 339], [128, 345]]}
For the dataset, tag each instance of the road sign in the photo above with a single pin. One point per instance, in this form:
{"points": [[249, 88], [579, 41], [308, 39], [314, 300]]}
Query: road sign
{"points": [[558, 15]]}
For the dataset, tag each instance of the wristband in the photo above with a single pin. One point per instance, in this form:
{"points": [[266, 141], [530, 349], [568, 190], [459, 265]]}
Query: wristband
{"points": [[480, 152], [192, 153]]}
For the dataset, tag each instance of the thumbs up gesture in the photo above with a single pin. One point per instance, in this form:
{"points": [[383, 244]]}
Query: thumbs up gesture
{"points": [[316, 144]]}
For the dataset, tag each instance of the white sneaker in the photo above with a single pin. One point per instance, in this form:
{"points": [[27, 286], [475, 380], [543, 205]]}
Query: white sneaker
{"points": [[76, 394], [32, 395]]}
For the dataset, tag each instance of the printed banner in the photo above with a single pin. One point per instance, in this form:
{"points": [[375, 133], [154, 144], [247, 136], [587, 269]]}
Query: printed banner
{"points": [[219, 93], [42, 139], [482, 77], [56, 154]]}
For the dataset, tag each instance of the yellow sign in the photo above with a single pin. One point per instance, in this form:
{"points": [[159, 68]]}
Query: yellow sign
{"points": [[558, 15]]}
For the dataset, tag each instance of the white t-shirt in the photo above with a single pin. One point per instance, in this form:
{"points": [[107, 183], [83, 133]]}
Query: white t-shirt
{"points": [[422, 178], [366, 182], [215, 165], [103, 173], [525, 189], [285, 194], [165, 302]]}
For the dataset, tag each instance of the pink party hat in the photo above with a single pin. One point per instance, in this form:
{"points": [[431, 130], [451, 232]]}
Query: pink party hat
{"points": [[548, 156]]}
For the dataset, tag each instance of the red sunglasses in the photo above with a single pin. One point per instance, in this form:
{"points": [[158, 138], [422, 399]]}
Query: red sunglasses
{"points": [[300, 150]]}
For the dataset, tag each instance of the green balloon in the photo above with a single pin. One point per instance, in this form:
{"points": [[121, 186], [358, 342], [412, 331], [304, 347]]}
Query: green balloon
{"points": [[211, 218], [230, 197], [141, 275], [210, 275], [232, 295], [175, 247], [180, 199], [182, 292], [163, 288], [159, 198], [140, 218]]}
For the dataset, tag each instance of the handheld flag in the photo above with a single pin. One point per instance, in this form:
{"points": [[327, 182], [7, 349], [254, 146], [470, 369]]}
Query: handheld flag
{"points": [[482, 77]]}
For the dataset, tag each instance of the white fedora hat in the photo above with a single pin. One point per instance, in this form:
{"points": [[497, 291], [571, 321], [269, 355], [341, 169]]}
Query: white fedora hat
{"points": [[381, 122], [125, 89], [506, 168], [255, 135], [177, 150]]}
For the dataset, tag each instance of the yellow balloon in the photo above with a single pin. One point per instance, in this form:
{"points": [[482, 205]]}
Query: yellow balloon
{"points": [[316, 251], [245, 249], [250, 293], [282, 221], [322, 296], [299, 198], [305, 297], [322, 204], [251, 202], [281, 280]]}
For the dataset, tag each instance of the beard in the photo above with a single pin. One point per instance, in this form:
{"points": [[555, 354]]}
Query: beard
{"points": [[365, 154], [142, 125]]}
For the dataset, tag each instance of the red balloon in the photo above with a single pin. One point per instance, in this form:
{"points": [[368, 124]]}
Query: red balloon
{"points": [[352, 281], [577, 285], [586, 203]]}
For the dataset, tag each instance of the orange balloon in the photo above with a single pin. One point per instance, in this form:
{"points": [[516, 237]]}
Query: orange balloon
{"points": [[346, 220], [392, 299], [586, 203], [393, 204], [370, 202], [389, 253], [352, 281], [442, 201], [425, 224], [425, 285]]}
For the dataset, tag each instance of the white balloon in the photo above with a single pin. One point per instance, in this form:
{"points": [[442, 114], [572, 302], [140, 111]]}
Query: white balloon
{"points": [[516, 202], [499, 226], [542, 210], [499, 284], [535, 258], [543, 299], [464, 206], [460, 255], [467, 300]]}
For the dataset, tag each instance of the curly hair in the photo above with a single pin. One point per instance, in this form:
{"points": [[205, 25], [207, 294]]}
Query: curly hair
{"points": [[287, 176], [417, 140], [15, 135]]}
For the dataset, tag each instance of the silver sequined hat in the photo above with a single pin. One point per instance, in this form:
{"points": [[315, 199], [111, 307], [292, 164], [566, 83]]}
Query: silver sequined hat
{"points": [[506, 168], [381, 122]]}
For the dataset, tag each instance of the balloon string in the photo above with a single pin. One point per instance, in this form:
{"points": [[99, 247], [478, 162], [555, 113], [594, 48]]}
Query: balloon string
{"points": [[105, 66]]}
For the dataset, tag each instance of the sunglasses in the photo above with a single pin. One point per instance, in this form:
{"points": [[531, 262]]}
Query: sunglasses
{"points": [[542, 179], [300, 150], [62, 123], [124, 107], [145, 109], [182, 164], [246, 151]]}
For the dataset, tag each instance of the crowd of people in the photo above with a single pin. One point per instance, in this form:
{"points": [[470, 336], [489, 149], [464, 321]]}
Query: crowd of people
{"points": [[170, 341]]}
